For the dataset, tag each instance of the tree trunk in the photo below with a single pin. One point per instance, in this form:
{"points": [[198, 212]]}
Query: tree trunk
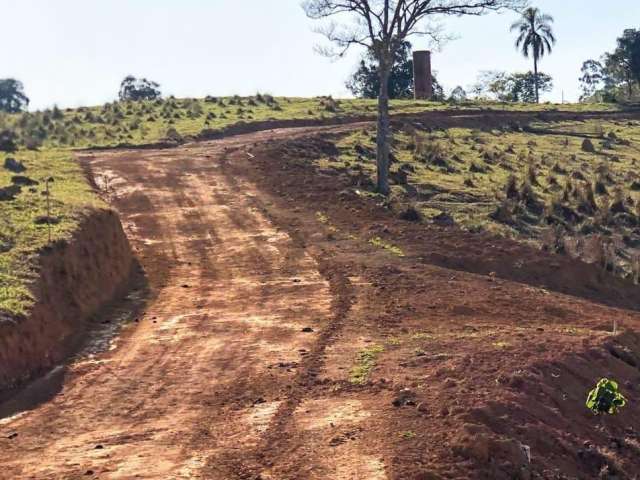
{"points": [[384, 131], [535, 78]]}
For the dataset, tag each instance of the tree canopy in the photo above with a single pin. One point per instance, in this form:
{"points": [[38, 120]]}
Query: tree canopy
{"points": [[365, 82], [12, 96], [535, 39], [382, 26], [616, 75], [511, 87], [134, 89]]}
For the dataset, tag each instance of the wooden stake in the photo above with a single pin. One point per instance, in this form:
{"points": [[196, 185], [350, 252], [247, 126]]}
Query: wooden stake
{"points": [[48, 207]]}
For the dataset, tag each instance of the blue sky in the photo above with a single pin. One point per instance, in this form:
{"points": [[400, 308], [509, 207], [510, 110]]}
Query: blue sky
{"points": [[75, 52]]}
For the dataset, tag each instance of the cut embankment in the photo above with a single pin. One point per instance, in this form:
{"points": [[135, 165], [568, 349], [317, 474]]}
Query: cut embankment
{"points": [[76, 278]]}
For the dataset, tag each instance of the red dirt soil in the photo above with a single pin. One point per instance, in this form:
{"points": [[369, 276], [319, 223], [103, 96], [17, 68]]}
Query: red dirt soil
{"points": [[76, 279], [239, 366]]}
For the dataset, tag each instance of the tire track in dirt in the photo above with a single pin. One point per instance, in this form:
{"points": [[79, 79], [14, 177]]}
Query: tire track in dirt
{"points": [[231, 293], [313, 399]]}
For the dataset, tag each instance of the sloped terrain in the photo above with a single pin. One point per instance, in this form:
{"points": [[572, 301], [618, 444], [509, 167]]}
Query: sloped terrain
{"points": [[296, 329], [76, 278]]}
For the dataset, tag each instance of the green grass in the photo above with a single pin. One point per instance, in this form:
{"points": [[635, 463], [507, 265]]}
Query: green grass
{"points": [[464, 173], [70, 196], [365, 361], [389, 247], [149, 121]]}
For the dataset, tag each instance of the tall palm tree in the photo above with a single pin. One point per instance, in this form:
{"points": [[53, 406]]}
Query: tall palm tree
{"points": [[535, 37]]}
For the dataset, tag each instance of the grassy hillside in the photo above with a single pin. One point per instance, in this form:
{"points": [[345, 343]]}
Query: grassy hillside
{"points": [[45, 142], [569, 186], [151, 121], [24, 226]]}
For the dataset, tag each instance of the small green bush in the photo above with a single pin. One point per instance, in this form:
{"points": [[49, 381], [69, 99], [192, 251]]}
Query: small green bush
{"points": [[605, 398]]}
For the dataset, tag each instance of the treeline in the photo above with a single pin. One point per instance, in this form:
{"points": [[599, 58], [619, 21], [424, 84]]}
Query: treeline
{"points": [[615, 76]]}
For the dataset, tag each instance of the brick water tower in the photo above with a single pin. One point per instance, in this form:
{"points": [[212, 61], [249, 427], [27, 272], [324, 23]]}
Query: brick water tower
{"points": [[422, 79]]}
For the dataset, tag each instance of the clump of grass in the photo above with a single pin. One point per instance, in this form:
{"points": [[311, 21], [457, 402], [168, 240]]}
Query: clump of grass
{"points": [[322, 217], [389, 247], [421, 336], [329, 104], [365, 362], [430, 152]]}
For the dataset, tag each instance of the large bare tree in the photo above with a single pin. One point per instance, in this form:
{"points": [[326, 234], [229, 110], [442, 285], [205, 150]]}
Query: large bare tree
{"points": [[382, 26]]}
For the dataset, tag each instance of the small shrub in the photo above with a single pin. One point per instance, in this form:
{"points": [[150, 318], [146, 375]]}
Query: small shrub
{"points": [[173, 135], [505, 212], [475, 167], [32, 142], [587, 200], [600, 187], [14, 165], [411, 214], [587, 146], [8, 141], [433, 153], [557, 168], [605, 398], [511, 188], [532, 174], [329, 104]]}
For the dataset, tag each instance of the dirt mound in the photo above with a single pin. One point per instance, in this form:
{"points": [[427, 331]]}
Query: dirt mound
{"points": [[541, 418], [76, 279]]}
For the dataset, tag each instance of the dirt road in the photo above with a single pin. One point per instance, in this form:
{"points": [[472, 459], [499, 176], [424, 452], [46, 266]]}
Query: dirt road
{"points": [[235, 330], [257, 313]]}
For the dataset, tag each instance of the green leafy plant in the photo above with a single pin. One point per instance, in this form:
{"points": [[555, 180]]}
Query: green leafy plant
{"points": [[606, 398]]}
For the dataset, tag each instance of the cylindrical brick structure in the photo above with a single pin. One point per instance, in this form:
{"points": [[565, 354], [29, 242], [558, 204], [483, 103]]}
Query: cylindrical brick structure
{"points": [[422, 79]]}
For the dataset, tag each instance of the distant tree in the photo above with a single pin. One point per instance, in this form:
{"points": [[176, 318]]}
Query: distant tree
{"points": [[526, 87], [134, 89], [56, 113], [592, 77], [493, 85], [438, 90], [12, 97], [625, 60], [458, 95], [365, 82], [511, 87], [616, 76], [535, 38], [382, 26]]}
